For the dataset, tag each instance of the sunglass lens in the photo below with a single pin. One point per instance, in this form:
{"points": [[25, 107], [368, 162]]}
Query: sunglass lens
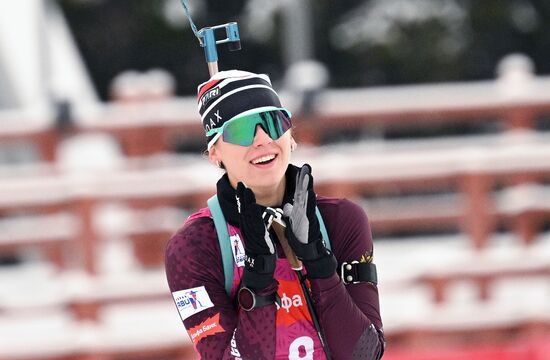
{"points": [[276, 123], [241, 131]]}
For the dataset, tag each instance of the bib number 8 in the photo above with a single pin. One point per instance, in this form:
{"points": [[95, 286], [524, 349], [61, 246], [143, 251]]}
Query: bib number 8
{"points": [[303, 343]]}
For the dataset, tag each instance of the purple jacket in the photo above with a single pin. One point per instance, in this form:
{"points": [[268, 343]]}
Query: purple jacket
{"points": [[349, 314]]}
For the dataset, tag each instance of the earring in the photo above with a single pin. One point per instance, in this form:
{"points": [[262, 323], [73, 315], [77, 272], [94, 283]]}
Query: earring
{"points": [[218, 163]]}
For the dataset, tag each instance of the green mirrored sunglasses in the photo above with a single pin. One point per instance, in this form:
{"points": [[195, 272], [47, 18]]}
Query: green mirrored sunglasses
{"points": [[242, 129]]}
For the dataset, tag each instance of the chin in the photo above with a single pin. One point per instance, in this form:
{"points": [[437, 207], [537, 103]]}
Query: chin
{"points": [[268, 179]]}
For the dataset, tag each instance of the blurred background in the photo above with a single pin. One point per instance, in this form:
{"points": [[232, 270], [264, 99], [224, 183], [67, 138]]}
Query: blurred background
{"points": [[433, 115]]}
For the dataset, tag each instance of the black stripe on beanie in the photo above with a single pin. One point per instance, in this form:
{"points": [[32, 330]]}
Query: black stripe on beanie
{"points": [[224, 99]]}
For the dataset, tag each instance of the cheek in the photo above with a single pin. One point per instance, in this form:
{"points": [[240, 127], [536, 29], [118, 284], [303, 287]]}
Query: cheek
{"points": [[234, 164], [285, 144], [233, 157], [285, 155]]}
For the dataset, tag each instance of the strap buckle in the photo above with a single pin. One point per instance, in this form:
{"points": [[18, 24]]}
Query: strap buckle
{"points": [[271, 215], [348, 272]]}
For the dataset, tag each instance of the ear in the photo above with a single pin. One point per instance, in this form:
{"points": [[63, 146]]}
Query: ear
{"points": [[293, 143], [213, 156]]}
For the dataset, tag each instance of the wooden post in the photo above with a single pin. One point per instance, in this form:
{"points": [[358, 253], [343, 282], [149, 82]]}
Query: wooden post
{"points": [[478, 218]]}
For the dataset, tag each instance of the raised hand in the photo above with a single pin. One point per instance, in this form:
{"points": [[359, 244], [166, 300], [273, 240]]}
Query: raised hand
{"points": [[258, 246], [303, 231]]}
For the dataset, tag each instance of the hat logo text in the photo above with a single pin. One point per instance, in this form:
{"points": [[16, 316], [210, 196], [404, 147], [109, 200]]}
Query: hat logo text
{"points": [[213, 123], [211, 94]]}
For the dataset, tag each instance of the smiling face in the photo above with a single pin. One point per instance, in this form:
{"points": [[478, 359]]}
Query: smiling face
{"points": [[247, 129], [260, 166]]}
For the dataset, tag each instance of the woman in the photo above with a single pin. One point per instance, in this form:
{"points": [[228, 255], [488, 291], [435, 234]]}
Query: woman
{"points": [[274, 308]]}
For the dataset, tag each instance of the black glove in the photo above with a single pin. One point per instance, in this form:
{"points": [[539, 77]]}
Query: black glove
{"points": [[258, 247], [303, 231]]}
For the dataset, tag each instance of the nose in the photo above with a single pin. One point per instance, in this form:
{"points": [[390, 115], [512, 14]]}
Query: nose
{"points": [[261, 137]]}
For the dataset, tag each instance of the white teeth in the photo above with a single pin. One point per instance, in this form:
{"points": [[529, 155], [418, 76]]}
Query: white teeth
{"points": [[263, 159]]}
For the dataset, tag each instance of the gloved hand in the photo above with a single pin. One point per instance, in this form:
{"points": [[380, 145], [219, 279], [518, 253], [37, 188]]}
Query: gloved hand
{"points": [[303, 231], [258, 246]]}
